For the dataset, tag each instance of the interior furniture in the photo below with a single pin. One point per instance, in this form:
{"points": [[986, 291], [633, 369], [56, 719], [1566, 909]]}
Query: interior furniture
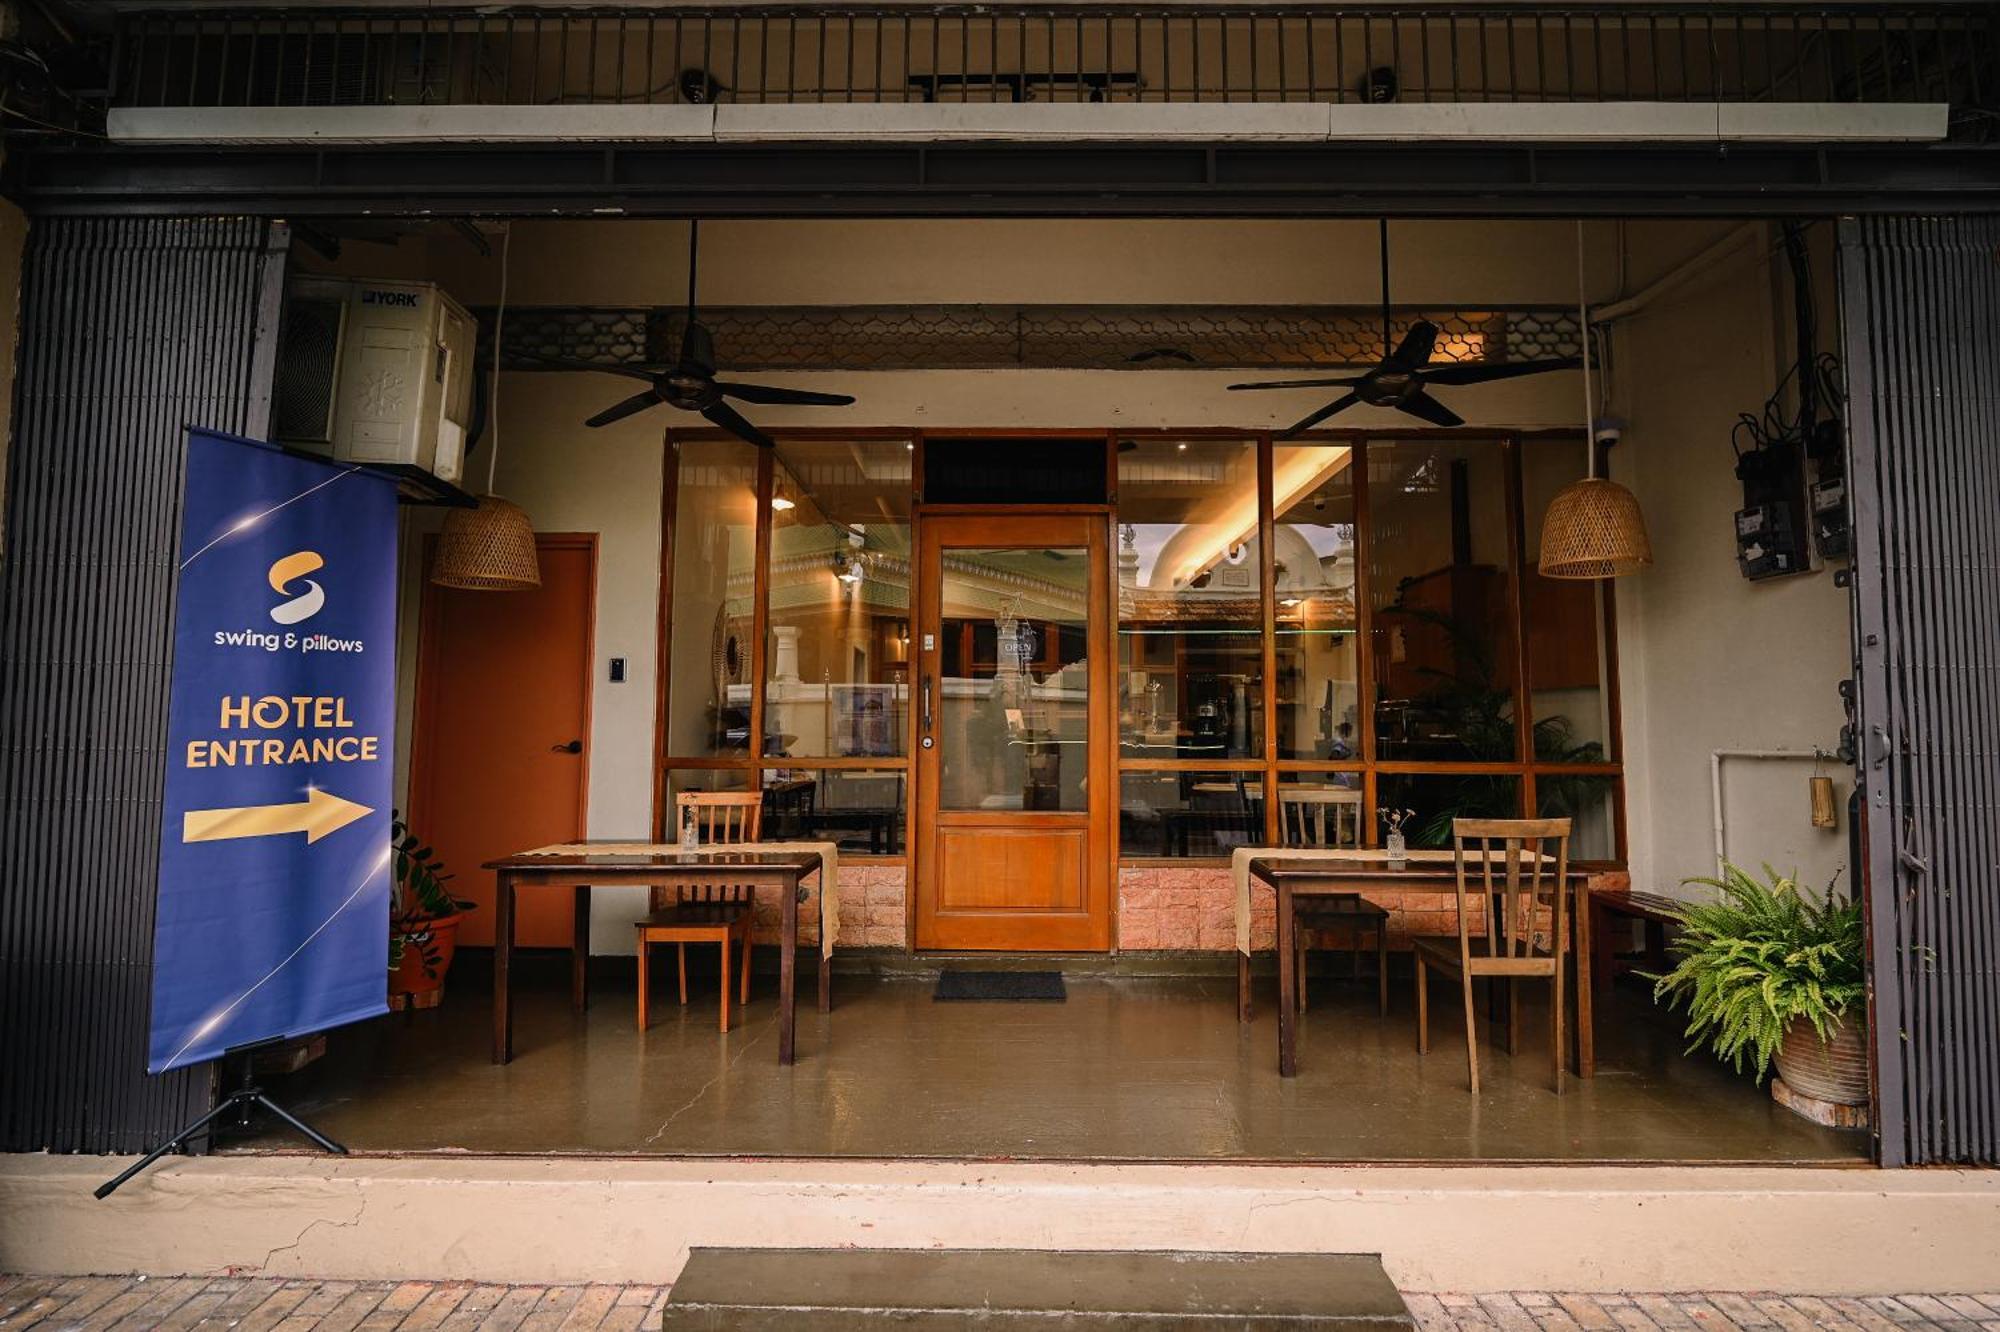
{"points": [[578, 865], [1352, 917], [1656, 914], [1526, 891], [1305, 811], [1295, 876], [704, 911]]}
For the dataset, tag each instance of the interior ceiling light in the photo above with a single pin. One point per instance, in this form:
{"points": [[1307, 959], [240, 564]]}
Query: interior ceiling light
{"points": [[779, 504], [1593, 528], [491, 546]]}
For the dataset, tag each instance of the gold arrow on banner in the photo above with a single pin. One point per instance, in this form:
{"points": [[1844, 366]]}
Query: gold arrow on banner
{"points": [[318, 814]]}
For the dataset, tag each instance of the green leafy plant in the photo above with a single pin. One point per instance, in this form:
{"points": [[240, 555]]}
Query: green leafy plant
{"points": [[417, 896], [1757, 958]]}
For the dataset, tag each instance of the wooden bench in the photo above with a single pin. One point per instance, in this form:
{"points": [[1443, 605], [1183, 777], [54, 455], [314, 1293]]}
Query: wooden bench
{"points": [[1655, 911]]}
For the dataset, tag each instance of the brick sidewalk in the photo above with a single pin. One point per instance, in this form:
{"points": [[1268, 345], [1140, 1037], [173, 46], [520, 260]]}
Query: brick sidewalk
{"points": [[180, 1304]]}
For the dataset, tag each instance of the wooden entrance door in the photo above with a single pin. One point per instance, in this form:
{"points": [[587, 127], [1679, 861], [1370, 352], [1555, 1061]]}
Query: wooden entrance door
{"points": [[501, 756], [1015, 779]]}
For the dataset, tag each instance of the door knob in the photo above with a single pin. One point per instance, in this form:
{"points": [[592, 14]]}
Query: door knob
{"points": [[573, 747]]}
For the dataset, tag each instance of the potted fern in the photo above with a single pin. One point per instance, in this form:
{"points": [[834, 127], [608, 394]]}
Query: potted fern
{"points": [[423, 921], [1772, 974]]}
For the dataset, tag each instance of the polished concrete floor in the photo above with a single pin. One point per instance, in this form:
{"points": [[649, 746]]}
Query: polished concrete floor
{"points": [[1129, 1068]]}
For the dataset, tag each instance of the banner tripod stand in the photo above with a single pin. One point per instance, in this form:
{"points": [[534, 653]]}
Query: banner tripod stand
{"points": [[245, 1098]]}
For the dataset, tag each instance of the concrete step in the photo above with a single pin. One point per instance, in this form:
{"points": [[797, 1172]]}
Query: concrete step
{"points": [[835, 1290]]}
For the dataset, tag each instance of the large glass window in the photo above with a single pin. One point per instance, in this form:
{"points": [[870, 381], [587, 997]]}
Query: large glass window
{"points": [[1312, 567], [1441, 586], [1403, 618], [837, 658], [1431, 800], [1185, 814], [1190, 600], [713, 613], [1564, 624]]}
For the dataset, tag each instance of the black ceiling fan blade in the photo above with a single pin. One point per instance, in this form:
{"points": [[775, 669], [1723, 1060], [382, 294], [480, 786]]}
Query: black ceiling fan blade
{"points": [[1336, 406], [698, 350], [1414, 351], [1486, 373], [1348, 381], [631, 406], [1426, 408], [730, 419], [766, 393], [629, 369]]}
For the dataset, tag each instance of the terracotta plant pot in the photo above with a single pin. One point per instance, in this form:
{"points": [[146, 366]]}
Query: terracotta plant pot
{"points": [[1836, 1070], [411, 985]]}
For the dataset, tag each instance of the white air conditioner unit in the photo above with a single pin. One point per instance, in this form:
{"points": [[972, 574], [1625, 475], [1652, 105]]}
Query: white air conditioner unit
{"points": [[375, 372]]}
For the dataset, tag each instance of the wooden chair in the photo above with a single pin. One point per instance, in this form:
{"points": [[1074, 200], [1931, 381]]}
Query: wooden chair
{"points": [[704, 913], [1512, 906]]}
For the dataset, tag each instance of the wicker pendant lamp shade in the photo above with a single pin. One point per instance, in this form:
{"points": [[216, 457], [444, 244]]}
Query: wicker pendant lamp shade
{"points": [[1594, 530], [490, 548]]}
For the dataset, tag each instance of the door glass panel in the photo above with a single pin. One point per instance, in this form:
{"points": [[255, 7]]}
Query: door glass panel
{"points": [[1013, 704]]}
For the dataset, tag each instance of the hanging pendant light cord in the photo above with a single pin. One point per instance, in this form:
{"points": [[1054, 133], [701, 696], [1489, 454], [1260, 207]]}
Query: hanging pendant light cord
{"points": [[1589, 402], [499, 327]]}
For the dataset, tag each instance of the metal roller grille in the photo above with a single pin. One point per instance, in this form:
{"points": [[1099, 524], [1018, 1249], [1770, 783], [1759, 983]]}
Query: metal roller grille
{"points": [[1921, 300], [130, 329]]}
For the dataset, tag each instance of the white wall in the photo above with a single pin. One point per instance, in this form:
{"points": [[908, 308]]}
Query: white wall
{"points": [[1708, 660]]}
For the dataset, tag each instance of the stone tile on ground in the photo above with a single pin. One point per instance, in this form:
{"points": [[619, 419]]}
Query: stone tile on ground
{"points": [[202, 1304]]}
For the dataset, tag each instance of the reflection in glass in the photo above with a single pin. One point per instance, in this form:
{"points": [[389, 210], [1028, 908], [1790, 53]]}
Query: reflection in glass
{"points": [[1439, 579], [1565, 625], [683, 780], [1014, 694], [1585, 798], [1320, 809], [709, 641], [1438, 798], [1313, 570], [1190, 601], [859, 811], [1199, 815], [839, 650]]}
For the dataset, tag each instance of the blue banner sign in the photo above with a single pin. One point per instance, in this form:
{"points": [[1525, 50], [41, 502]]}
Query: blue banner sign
{"points": [[274, 840]]}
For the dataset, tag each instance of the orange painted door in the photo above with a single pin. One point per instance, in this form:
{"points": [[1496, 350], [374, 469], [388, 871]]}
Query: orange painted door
{"points": [[1016, 786], [501, 753]]}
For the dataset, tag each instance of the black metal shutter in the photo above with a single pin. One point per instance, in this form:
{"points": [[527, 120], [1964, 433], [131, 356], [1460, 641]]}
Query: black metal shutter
{"points": [[130, 329], [1921, 304]]}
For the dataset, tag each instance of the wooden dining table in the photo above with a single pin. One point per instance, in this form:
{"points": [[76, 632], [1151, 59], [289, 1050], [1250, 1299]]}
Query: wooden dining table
{"points": [[1355, 872], [578, 866]]}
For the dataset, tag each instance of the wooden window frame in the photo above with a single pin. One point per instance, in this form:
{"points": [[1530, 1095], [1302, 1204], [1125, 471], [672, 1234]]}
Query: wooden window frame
{"points": [[1524, 767]]}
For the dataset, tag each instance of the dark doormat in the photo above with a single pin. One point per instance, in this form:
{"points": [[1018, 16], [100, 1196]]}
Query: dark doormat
{"points": [[1000, 987]]}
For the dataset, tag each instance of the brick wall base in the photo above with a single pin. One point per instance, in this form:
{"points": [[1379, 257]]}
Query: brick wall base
{"points": [[1172, 909]]}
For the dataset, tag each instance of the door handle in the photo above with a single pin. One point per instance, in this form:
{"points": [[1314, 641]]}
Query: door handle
{"points": [[573, 747], [927, 705]]}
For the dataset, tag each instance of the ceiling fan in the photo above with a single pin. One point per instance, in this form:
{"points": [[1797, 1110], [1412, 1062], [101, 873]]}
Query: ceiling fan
{"points": [[1402, 378], [690, 385]]}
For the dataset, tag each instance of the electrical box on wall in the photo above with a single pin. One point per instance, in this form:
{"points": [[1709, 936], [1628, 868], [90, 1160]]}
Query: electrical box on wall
{"points": [[1770, 538], [375, 372], [1767, 541]]}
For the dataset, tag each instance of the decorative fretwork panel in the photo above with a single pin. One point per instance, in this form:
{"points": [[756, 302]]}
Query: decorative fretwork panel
{"points": [[1053, 337]]}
